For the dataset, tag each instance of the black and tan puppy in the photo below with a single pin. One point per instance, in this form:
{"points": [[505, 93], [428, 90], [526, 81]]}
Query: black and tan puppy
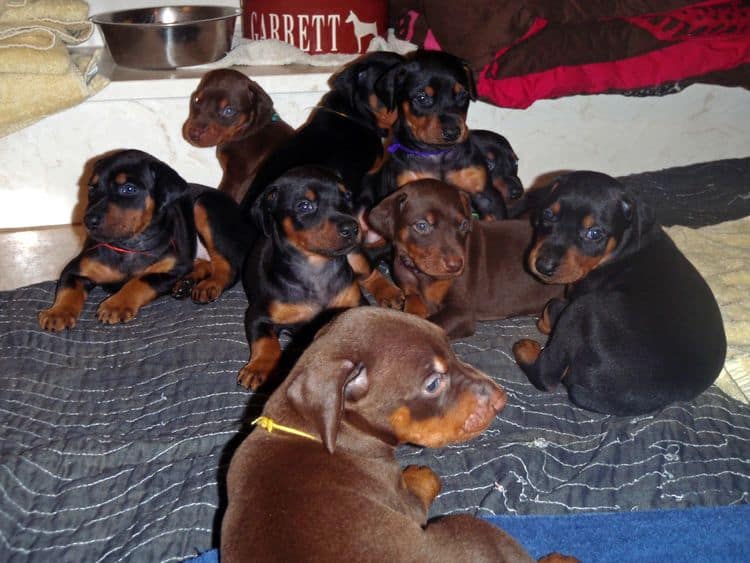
{"points": [[502, 164], [319, 481], [234, 114], [344, 132], [641, 328], [307, 263], [455, 270], [431, 92], [142, 219]]}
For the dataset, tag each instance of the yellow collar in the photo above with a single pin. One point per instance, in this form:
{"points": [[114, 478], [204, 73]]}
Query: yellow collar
{"points": [[269, 426]]}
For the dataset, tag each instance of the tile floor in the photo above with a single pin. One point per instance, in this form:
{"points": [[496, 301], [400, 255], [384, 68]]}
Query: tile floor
{"points": [[33, 255]]}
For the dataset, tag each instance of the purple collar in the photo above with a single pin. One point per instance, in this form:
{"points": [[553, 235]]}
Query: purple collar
{"points": [[393, 147]]}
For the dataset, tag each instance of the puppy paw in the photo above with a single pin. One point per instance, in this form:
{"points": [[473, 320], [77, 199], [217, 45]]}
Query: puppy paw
{"points": [[423, 482], [183, 288], [56, 319], [206, 291], [252, 378], [558, 558], [526, 351], [391, 297], [114, 312]]}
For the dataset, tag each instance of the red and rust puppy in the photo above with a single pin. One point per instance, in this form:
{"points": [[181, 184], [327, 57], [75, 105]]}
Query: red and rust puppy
{"points": [[502, 165], [307, 263], [142, 219], [234, 114], [455, 270], [641, 328], [319, 480], [345, 131], [431, 91]]}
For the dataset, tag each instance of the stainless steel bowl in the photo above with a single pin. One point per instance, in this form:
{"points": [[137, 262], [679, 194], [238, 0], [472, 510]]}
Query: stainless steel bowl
{"points": [[168, 37]]}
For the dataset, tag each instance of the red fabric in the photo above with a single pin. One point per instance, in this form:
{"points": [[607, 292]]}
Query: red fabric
{"points": [[698, 45]]}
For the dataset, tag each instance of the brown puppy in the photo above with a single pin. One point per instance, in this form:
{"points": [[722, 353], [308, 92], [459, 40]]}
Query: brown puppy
{"points": [[455, 271], [371, 379], [234, 114]]}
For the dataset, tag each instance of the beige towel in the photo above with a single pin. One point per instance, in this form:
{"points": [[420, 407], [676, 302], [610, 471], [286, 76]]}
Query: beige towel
{"points": [[26, 98], [721, 253], [39, 47], [59, 10]]}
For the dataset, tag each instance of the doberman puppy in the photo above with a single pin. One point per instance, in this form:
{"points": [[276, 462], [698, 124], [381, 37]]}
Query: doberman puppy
{"points": [[142, 219], [454, 270], [502, 164], [319, 480], [307, 263], [234, 114], [431, 91], [344, 132], [641, 328]]}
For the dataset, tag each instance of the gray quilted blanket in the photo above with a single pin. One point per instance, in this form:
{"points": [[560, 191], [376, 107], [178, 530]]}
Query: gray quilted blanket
{"points": [[113, 440]]}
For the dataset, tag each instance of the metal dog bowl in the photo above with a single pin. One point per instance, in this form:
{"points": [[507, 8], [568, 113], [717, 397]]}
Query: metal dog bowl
{"points": [[168, 37]]}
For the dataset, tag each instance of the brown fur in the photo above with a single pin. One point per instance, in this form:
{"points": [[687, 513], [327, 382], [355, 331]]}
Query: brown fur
{"points": [[458, 277], [342, 496]]}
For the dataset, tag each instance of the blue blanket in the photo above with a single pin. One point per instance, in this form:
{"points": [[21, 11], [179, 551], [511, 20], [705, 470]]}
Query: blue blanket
{"points": [[705, 535]]}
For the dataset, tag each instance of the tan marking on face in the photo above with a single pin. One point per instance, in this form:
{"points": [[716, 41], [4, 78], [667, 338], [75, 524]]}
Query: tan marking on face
{"points": [[224, 102], [526, 351], [457, 88], [426, 128], [121, 178], [347, 298], [120, 222], [94, 180], [440, 365], [588, 221], [311, 195], [429, 90], [471, 179], [322, 238], [574, 265], [555, 207], [291, 313], [437, 431]]}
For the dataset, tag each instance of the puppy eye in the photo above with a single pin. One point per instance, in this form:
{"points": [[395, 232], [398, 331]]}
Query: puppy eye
{"points": [[548, 215], [422, 227], [304, 206], [434, 384], [490, 164], [196, 99], [423, 100], [464, 226], [127, 189], [348, 196], [228, 111], [594, 234], [462, 97]]}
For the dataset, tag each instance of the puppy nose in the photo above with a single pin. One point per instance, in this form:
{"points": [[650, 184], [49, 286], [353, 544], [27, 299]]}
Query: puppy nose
{"points": [[545, 265], [195, 133], [451, 133], [453, 263], [348, 230], [92, 221]]}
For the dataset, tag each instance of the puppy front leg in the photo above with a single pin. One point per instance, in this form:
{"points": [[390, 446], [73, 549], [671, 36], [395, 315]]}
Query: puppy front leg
{"points": [[70, 296], [546, 367], [124, 305], [383, 290], [265, 350], [551, 313], [455, 323]]}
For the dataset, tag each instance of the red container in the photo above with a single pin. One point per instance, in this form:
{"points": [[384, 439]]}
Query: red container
{"points": [[316, 26]]}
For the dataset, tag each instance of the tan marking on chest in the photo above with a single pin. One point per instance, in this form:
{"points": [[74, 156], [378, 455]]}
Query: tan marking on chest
{"points": [[471, 179], [411, 175], [348, 297], [436, 291], [100, 273], [291, 313]]}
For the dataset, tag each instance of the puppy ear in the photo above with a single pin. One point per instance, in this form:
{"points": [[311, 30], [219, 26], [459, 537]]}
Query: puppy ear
{"points": [[386, 86], [382, 217], [168, 184], [471, 85], [321, 385], [263, 208], [263, 103]]}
